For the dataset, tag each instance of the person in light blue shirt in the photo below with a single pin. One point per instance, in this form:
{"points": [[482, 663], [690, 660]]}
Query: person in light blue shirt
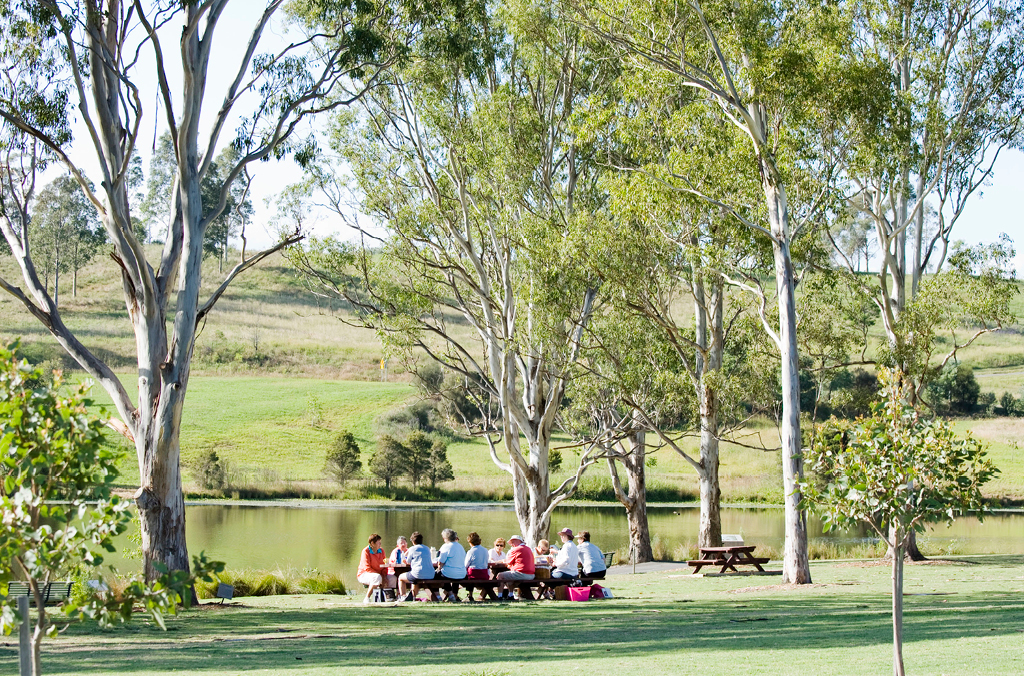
{"points": [[476, 563], [451, 563], [421, 568], [590, 556]]}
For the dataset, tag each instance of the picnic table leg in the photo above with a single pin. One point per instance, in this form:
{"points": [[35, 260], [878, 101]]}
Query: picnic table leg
{"points": [[526, 593], [730, 563], [748, 559]]}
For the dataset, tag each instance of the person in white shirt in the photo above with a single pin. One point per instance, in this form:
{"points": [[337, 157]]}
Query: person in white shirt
{"points": [[566, 563], [451, 562], [497, 555]]}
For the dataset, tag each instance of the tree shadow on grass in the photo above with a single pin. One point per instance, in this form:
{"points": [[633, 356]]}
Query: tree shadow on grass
{"points": [[412, 637]]}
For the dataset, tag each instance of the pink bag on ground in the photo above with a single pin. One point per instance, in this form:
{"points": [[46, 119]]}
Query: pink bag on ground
{"points": [[578, 593]]}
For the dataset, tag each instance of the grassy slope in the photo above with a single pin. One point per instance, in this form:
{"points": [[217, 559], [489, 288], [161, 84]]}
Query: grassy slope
{"points": [[659, 623], [267, 327]]}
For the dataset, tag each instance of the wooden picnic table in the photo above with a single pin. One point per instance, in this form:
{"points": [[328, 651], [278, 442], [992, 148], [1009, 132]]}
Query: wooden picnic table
{"points": [[728, 558]]}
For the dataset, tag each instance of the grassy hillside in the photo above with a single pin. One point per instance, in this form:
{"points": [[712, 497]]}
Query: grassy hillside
{"points": [[276, 376]]}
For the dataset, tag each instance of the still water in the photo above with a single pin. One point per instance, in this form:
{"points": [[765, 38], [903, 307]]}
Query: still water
{"points": [[329, 538]]}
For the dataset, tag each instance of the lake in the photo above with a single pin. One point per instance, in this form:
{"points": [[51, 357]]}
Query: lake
{"points": [[329, 538]]}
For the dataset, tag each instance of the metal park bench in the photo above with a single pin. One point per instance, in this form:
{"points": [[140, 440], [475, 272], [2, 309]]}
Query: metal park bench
{"points": [[52, 592]]}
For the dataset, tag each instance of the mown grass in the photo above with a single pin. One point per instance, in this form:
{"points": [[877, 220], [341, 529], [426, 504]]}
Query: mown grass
{"points": [[956, 611]]}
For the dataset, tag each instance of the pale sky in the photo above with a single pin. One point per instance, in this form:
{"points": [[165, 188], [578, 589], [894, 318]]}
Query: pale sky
{"points": [[995, 209]]}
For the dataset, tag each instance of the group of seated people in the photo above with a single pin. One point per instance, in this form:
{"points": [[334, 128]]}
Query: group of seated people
{"points": [[453, 562]]}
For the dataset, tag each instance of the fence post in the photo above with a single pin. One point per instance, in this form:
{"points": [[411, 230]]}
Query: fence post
{"points": [[25, 642]]}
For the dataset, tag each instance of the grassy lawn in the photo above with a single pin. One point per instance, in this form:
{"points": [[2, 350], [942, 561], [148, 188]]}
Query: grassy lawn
{"points": [[962, 616]]}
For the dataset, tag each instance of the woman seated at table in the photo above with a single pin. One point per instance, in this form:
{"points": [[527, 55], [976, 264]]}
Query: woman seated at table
{"points": [[397, 557], [497, 555], [372, 568], [566, 564], [476, 562], [590, 556], [451, 563], [420, 568]]}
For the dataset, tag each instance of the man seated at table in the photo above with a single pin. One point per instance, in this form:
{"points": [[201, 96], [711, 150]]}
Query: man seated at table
{"points": [[421, 568], [590, 556], [372, 568], [451, 563], [567, 560], [520, 566]]}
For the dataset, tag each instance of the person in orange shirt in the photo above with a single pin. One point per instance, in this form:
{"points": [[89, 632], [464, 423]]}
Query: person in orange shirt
{"points": [[520, 566], [373, 568]]}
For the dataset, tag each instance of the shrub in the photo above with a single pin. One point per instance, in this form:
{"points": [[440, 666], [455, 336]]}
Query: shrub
{"points": [[273, 583], [210, 471], [955, 389]]}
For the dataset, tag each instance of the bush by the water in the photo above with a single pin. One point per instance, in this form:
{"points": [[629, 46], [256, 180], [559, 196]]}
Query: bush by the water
{"points": [[273, 583]]}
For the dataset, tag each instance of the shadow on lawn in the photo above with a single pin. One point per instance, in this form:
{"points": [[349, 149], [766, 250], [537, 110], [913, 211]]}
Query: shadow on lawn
{"points": [[355, 636]]}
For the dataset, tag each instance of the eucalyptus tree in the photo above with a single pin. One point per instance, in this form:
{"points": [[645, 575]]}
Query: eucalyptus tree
{"points": [[478, 201], [755, 65], [66, 232], [237, 210], [83, 60], [929, 96], [671, 350]]}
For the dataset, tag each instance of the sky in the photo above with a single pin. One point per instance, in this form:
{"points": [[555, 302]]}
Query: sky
{"points": [[997, 208]]}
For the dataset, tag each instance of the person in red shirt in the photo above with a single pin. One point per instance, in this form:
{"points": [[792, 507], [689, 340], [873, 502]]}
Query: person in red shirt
{"points": [[520, 565], [373, 568]]}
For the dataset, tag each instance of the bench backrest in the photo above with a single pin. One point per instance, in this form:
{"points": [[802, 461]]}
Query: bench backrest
{"points": [[52, 592], [608, 557]]}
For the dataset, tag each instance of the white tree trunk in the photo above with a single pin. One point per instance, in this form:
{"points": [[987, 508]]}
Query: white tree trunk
{"points": [[795, 566]]}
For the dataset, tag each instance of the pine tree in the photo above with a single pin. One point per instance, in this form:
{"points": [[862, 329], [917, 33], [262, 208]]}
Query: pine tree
{"points": [[343, 458], [390, 460], [439, 469]]}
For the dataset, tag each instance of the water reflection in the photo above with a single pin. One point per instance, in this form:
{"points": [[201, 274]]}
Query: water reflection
{"points": [[330, 538]]}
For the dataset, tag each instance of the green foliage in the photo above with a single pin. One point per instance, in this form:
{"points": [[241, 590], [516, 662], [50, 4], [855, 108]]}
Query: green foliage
{"points": [[272, 583], [974, 293], [955, 390], [343, 458], [389, 460], [417, 457], [209, 471], [895, 470], [58, 511], [851, 393], [65, 232], [439, 469]]}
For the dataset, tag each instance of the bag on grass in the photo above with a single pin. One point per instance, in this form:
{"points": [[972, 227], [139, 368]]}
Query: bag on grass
{"points": [[562, 593], [596, 591]]}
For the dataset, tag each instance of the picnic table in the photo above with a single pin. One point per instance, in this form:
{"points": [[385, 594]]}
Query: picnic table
{"points": [[728, 558]]}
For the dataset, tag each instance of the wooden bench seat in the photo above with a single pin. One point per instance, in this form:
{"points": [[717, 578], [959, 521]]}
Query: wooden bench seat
{"points": [[490, 586]]}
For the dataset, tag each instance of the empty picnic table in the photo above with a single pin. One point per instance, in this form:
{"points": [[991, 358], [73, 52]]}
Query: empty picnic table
{"points": [[727, 557]]}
